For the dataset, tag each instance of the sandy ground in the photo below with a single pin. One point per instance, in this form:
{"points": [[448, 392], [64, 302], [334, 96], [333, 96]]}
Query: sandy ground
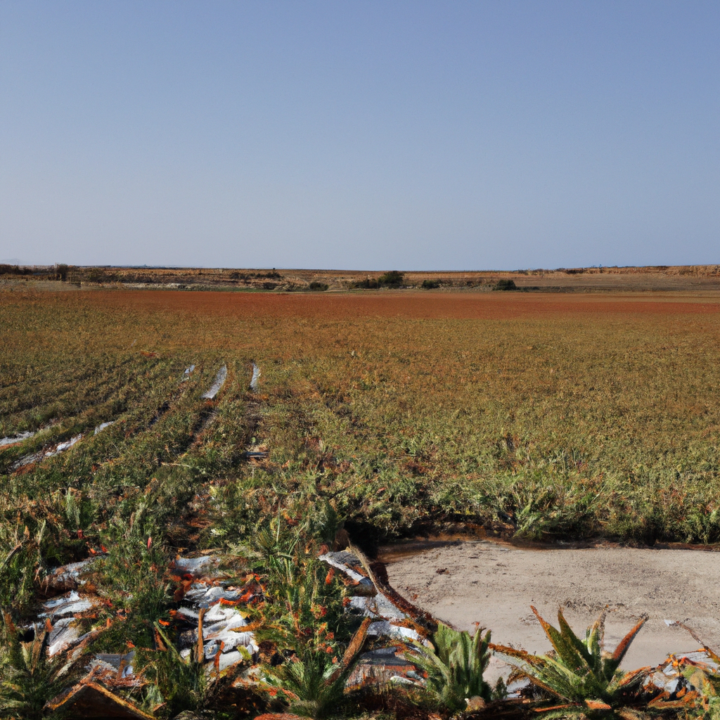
{"points": [[495, 585]]}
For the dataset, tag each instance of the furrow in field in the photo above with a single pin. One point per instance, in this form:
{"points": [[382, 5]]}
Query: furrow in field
{"points": [[167, 434], [90, 422], [73, 402], [214, 458], [88, 386]]}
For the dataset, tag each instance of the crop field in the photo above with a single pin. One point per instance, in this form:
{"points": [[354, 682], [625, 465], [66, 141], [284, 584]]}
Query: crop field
{"points": [[537, 416]]}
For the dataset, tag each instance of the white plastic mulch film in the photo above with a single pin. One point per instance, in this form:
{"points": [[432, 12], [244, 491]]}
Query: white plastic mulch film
{"points": [[255, 378], [217, 385], [16, 439], [102, 426]]}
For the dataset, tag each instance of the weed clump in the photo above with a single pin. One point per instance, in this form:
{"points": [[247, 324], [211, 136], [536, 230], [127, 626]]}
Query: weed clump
{"points": [[505, 284], [430, 284]]}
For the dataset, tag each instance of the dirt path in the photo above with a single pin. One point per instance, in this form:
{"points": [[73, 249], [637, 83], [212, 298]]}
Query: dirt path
{"points": [[495, 585]]}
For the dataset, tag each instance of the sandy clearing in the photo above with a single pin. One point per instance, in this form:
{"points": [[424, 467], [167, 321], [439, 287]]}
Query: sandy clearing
{"points": [[495, 585]]}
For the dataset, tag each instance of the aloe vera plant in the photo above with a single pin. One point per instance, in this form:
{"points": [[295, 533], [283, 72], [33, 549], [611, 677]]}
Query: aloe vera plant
{"points": [[585, 679], [455, 665], [28, 679], [312, 683]]}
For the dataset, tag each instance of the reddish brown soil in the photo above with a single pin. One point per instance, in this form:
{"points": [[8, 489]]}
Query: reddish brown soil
{"points": [[396, 304]]}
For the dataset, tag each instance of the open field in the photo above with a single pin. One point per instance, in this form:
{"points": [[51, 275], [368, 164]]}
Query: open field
{"points": [[531, 415], [549, 414]]}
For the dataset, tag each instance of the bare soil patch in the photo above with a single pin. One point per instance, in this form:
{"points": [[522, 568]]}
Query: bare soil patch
{"points": [[494, 584], [392, 304]]}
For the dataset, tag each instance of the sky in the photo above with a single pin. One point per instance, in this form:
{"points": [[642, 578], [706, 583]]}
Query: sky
{"points": [[369, 135]]}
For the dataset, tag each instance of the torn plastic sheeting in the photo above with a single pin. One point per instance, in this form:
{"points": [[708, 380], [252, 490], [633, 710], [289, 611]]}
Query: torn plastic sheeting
{"points": [[341, 561], [699, 657], [241, 640], [219, 382], [16, 439], [69, 604], [63, 446], [204, 596], [115, 661], [195, 566], [28, 460], [384, 627], [42, 454], [188, 613], [116, 669], [220, 624], [69, 636], [394, 655], [670, 677], [102, 426], [377, 606], [221, 614], [187, 373], [254, 381], [222, 632], [230, 638], [227, 660], [384, 665], [67, 577]]}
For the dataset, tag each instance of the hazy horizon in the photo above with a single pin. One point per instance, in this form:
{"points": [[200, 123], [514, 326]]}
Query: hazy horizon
{"points": [[371, 136]]}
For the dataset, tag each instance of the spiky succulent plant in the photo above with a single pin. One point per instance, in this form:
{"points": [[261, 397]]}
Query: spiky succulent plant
{"points": [[585, 679]]}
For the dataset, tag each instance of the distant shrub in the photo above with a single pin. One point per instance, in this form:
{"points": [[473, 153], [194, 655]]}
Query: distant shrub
{"points": [[14, 270], [505, 284], [430, 284], [575, 271], [393, 278], [95, 275], [269, 285], [238, 275], [61, 271], [366, 284], [318, 286]]}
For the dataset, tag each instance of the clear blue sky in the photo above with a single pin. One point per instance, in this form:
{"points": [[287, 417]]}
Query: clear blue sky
{"points": [[368, 134]]}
